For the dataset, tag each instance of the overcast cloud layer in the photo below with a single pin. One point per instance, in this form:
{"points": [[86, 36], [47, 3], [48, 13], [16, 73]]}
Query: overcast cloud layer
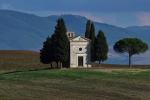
{"points": [[117, 12], [81, 5]]}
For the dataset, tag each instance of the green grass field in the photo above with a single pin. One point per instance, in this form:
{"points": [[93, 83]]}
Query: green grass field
{"points": [[76, 84], [23, 77]]}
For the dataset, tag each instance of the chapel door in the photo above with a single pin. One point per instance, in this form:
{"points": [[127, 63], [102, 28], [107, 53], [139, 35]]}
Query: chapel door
{"points": [[80, 61]]}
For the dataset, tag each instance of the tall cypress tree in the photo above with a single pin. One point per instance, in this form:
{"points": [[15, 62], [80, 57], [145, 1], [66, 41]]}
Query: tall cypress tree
{"points": [[90, 33], [101, 47], [92, 37], [88, 28], [45, 52], [60, 43]]}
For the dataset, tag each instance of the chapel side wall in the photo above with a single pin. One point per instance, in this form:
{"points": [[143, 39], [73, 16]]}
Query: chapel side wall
{"points": [[72, 57], [89, 55]]}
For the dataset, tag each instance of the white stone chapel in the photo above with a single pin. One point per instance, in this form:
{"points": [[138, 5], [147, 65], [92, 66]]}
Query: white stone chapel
{"points": [[79, 51]]}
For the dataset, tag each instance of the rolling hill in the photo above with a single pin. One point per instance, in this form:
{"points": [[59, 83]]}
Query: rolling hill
{"points": [[22, 31]]}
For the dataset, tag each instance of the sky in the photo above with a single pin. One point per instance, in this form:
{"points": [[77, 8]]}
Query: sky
{"points": [[122, 13]]}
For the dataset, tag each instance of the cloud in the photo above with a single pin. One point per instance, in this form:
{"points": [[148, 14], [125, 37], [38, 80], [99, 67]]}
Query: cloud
{"points": [[144, 18], [84, 5], [96, 17]]}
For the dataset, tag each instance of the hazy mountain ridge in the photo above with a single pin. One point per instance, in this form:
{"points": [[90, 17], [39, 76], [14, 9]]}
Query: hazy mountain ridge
{"points": [[21, 31], [142, 32]]}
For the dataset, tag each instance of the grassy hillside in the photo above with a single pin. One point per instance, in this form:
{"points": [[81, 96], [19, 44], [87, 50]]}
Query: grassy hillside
{"points": [[77, 84], [116, 66], [19, 60], [108, 82]]}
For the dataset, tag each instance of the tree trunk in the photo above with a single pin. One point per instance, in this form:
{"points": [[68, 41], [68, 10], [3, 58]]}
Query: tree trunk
{"points": [[130, 65], [51, 65], [99, 62], [60, 65], [57, 64]]}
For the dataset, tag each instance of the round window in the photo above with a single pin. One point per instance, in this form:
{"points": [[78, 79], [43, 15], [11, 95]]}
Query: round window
{"points": [[80, 49]]}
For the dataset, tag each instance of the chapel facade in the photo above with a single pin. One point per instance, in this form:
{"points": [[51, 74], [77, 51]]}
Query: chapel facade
{"points": [[79, 51]]}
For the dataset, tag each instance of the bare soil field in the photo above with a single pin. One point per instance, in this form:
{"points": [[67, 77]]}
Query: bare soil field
{"points": [[19, 60]]}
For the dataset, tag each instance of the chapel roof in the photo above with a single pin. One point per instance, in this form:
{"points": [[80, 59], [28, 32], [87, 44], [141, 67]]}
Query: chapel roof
{"points": [[79, 39]]}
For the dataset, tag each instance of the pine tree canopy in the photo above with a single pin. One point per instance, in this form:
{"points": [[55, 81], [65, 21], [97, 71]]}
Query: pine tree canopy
{"points": [[131, 46]]}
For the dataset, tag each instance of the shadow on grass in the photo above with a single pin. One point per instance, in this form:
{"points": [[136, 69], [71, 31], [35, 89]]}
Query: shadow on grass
{"points": [[19, 71]]}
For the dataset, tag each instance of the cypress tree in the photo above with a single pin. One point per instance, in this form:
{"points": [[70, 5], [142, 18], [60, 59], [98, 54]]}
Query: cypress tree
{"points": [[92, 37], [90, 34], [88, 28], [101, 47], [60, 43], [45, 52]]}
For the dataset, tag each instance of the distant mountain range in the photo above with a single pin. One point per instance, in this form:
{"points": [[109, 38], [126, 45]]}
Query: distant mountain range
{"points": [[22, 31]]}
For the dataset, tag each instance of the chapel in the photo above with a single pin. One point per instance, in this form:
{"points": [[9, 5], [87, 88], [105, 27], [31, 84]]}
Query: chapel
{"points": [[79, 51]]}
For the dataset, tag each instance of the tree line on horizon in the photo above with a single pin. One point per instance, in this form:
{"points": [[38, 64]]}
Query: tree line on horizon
{"points": [[57, 48]]}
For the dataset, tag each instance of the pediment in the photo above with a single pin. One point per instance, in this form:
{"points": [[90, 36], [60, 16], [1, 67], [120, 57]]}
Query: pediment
{"points": [[80, 39]]}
